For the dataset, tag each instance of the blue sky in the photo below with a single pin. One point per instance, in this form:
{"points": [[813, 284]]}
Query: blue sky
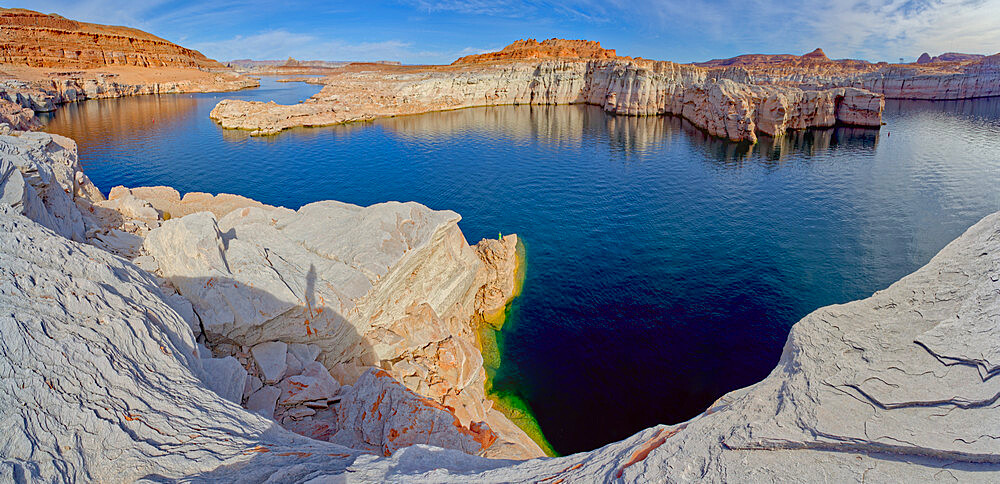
{"points": [[421, 31]]}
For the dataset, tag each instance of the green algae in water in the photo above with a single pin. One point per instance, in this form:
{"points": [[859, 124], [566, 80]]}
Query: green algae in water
{"points": [[490, 335]]}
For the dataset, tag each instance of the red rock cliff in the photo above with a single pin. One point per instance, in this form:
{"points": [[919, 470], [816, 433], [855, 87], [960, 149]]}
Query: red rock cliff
{"points": [[529, 49], [34, 39]]}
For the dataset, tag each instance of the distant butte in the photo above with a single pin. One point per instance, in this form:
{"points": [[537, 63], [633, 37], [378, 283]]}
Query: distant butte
{"points": [[35, 39], [531, 49]]}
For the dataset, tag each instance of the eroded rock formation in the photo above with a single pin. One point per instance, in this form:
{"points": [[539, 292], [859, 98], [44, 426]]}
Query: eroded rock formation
{"points": [[950, 76], [719, 101], [47, 60], [298, 306], [34, 39], [531, 49]]}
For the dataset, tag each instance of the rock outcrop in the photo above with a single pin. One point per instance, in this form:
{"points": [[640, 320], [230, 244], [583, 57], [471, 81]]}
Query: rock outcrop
{"points": [[396, 290], [531, 49], [926, 58], [392, 285], [103, 378], [950, 76], [47, 60], [103, 381], [957, 80], [34, 39], [41, 178], [720, 101]]}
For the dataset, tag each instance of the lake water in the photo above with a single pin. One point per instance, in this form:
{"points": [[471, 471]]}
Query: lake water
{"points": [[664, 267]]}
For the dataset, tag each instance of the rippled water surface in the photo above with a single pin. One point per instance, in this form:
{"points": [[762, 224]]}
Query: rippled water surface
{"points": [[665, 267]]}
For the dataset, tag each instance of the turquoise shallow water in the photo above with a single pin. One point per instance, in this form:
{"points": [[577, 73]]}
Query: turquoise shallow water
{"points": [[664, 266]]}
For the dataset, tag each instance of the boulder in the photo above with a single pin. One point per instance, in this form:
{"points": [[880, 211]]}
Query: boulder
{"points": [[380, 414], [262, 401], [40, 177], [271, 358], [226, 377]]}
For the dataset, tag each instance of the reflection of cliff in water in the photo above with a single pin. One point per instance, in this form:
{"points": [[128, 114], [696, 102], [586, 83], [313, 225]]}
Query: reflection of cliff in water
{"points": [[554, 127], [773, 151], [127, 116], [568, 126], [988, 108]]}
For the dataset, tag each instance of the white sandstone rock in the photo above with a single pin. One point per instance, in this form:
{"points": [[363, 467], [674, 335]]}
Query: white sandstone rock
{"points": [[263, 401], [225, 376], [305, 353], [100, 379], [40, 177], [271, 359]]}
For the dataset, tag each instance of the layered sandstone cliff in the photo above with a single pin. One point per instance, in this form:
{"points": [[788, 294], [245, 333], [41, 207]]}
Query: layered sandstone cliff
{"points": [[531, 49], [719, 101], [34, 39], [46, 60], [104, 379], [954, 76]]}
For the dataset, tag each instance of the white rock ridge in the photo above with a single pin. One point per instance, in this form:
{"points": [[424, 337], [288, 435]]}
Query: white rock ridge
{"points": [[100, 379], [894, 387], [393, 285], [40, 176], [721, 101]]}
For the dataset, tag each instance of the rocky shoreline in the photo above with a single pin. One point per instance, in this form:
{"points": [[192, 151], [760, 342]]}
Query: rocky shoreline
{"points": [[721, 101], [48, 60], [364, 336], [395, 297], [32, 91], [736, 99]]}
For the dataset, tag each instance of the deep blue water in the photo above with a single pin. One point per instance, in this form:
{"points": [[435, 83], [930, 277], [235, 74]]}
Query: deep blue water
{"points": [[664, 266]]}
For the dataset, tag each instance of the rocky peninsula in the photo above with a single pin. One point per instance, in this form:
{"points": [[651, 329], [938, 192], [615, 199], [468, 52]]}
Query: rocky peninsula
{"points": [[731, 98], [721, 101], [949, 76], [48, 60]]}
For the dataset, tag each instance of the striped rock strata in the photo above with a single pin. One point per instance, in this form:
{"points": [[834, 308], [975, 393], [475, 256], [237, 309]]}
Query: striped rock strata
{"points": [[720, 101]]}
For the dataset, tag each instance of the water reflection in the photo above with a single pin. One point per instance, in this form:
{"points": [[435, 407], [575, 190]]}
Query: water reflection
{"points": [[988, 108], [123, 117], [562, 127]]}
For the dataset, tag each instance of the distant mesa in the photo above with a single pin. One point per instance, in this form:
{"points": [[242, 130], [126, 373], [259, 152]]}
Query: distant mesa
{"points": [[757, 60], [926, 58], [292, 65], [817, 54], [33, 39], [531, 49]]}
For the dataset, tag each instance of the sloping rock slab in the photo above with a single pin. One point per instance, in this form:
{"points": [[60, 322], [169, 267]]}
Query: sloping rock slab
{"points": [[100, 380]]}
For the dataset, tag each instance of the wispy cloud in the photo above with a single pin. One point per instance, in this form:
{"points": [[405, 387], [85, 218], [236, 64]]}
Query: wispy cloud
{"points": [[846, 28], [280, 44]]}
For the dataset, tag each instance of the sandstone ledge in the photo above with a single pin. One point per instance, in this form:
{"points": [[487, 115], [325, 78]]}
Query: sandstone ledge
{"points": [[721, 101]]}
